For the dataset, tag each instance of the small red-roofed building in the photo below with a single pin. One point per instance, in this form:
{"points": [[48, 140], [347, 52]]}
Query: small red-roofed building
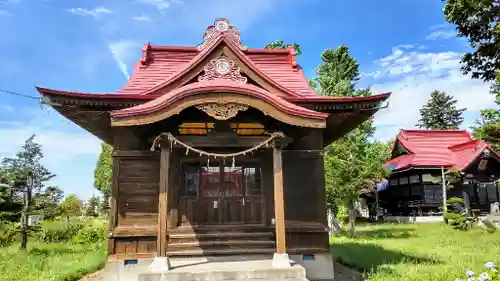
{"points": [[217, 150], [418, 159]]}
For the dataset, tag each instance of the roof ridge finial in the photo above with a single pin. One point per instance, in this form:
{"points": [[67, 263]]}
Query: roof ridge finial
{"points": [[220, 27]]}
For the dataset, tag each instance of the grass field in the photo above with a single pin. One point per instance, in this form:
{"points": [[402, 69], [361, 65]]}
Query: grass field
{"points": [[416, 252], [50, 262]]}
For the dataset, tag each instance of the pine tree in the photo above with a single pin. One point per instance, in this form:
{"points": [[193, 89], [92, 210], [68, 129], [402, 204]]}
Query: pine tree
{"points": [[92, 207], [440, 113]]}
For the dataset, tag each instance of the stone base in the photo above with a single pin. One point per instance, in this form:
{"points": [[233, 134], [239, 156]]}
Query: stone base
{"points": [[318, 268], [281, 261], [160, 264]]}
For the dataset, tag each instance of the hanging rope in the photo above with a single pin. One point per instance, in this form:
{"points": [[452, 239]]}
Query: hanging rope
{"points": [[173, 140]]}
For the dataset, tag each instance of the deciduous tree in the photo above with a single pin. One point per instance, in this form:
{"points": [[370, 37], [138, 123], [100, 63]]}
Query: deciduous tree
{"points": [[352, 162], [103, 169], [440, 113], [478, 22], [279, 44], [71, 206], [488, 127]]}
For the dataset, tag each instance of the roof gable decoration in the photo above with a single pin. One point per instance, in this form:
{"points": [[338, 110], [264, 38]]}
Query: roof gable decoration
{"points": [[222, 27], [222, 68]]}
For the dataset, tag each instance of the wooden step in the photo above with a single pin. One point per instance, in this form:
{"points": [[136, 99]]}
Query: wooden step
{"points": [[191, 237], [215, 244], [205, 252]]}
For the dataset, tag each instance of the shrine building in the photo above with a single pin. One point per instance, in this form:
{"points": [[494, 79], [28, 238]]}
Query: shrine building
{"points": [[217, 150], [421, 158]]}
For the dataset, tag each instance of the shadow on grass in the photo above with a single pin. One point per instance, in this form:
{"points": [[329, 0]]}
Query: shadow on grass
{"points": [[370, 257], [399, 233]]}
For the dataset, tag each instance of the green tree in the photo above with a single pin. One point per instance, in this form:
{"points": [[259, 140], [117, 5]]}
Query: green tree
{"points": [[71, 206], [488, 127], [103, 169], [279, 44], [92, 207], [48, 202], [27, 178], [352, 162], [338, 73], [440, 113], [477, 20]]}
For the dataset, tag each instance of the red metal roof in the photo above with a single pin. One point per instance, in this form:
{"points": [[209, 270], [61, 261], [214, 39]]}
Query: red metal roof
{"points": [[218, 86], [161, 65], [436, 148]]}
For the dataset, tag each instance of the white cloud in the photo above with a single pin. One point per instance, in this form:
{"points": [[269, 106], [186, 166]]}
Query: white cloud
{"points": [[86, 12], [124, 51], [411, 76], [441, 35], [144, 18], [69, 151], [159, 4]]}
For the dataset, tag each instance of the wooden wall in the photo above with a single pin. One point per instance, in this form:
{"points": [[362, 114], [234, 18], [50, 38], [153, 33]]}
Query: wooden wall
{"points": [[133, 222]]}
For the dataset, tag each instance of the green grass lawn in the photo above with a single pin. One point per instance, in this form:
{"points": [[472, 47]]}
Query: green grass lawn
{"points": [[411, 252], [50, 262]]}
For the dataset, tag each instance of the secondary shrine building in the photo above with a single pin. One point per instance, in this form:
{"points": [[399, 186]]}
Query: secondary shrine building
{"points": [[418, 159], [217, 150]]}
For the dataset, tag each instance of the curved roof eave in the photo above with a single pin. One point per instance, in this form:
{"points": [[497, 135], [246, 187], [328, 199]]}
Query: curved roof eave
{"points": [[218, 86], [46, 91]]}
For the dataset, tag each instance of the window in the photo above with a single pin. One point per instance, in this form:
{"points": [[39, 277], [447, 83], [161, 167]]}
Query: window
{"points": [[403, 180], [394, 182], [252, 181], [191, 180], [415, 179]]}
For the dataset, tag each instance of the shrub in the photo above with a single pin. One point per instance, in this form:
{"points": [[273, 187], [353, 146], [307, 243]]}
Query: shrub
{"points": [[8, 233], [90, 234], [58, 230]]}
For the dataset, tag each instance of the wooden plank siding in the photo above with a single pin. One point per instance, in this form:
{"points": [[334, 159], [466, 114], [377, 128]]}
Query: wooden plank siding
{"points": [[138, 179]]}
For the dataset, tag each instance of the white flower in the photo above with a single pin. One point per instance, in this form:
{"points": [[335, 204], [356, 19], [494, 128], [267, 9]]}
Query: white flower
{"points": [[459, 279], [469, 273], [484, 276], [489, 265]]}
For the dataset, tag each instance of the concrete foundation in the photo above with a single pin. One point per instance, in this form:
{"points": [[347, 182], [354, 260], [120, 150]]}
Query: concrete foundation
{"points": [[411, 219], [237, 268], [317, 266]]}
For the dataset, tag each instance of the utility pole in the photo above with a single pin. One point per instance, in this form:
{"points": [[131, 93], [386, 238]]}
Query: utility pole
{"points": [[443, 185], [24, 212]]}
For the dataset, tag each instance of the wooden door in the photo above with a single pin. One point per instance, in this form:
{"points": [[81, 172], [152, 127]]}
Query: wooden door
{"points": [[221, 194]]}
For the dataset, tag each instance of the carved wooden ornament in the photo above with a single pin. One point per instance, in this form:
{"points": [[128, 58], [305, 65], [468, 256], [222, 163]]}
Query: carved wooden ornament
{"points": [[222, 111], [222, 68], [222, 26]]}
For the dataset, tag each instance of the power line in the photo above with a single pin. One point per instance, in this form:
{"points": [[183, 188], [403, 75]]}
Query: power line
{"points": [[19, 94]]}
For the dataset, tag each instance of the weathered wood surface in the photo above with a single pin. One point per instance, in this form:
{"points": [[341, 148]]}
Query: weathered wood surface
{"points": [[279, 201], [162, 238]]}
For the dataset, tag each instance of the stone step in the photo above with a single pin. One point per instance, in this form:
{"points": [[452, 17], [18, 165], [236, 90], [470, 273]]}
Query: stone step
{"points": [[238, 273]]}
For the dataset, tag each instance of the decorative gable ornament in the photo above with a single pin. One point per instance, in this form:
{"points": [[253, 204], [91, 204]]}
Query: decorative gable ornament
{"points": [[222, 111], [222, 68], [222, 27]]}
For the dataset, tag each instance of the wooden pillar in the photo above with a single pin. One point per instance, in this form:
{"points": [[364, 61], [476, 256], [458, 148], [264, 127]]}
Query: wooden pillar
{"points": [[162, 239], [279, 204], [113, 205]]}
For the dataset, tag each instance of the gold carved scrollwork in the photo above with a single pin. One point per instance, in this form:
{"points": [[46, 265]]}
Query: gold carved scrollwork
{"points": [[222, 111]]}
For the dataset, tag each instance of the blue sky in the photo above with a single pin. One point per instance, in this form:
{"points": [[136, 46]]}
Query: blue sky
{"points": [[403, 46]]}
